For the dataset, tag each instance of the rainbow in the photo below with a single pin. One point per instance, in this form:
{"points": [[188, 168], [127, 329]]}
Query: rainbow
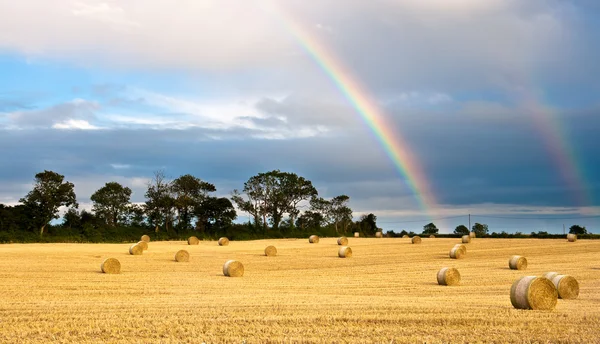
{"points": [[391, 141]]}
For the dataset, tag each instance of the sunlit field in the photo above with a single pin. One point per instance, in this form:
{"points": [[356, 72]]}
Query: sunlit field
{"points": [[386, 292]]}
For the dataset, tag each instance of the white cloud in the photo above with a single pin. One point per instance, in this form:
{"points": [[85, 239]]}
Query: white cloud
{"points": [[75, 124]]}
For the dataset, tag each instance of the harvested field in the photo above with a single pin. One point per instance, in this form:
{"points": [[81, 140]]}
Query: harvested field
{"points": [[387, 292]]}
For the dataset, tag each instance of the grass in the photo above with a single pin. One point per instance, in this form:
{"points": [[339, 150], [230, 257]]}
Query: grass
{"points": [[387, 292]]}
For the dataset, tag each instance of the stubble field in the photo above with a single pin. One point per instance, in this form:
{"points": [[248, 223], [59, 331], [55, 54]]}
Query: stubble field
{"points": [[386, 292]]}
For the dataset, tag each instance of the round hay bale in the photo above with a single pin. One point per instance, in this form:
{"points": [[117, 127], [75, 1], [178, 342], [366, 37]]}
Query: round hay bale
{"points": [[432, 236], [448, 276], [466, 239], [416, 239], [233, 268], [193, 240], [572, 237], [532, 292], [223, 241], [270, 251], [566, 286], [145, 238], [143, 244], [136, 250], [378, 234], [111, 266], [550, 275], [345, 252], [182, 256], [472, 235], [456, 252], [356, 234], [313, 239], [342, 241], [517, 263], [405, 236], [462, 248]]}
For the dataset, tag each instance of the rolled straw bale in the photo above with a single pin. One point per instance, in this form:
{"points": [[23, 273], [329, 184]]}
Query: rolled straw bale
{"points": [[193, 240], [462, 248], [456, 252], [111, 266], [566, 286], [448, 276], [223, 241], [233, 268], [145, 238], [143, 244], [345, 252], [378, 235], [342, 241], [550, 275], [466, 239], [182, 256], [572, 237], [432, 236], [532, 292], [313, 239], [270, 251], [405, 236], [517, 263], [356, 234], [416, 239], [136, 250], [472, 235]]}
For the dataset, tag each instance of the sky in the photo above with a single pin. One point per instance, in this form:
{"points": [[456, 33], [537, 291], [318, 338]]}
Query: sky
{"points": [[495, 102]]}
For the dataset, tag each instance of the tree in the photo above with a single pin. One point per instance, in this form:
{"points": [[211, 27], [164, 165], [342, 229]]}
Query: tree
{"points": [[461, 230], [576, 229], [310, 220], [214, 213], [368, 224], [189, 192], [340, 212], [48, 195], [159, 201], [430, 228], [480, 229], [111, 203]]}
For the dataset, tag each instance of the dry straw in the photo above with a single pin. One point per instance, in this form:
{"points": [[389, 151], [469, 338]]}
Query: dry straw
{"points": [[416, 239], [223, 241], [193, 240], [466, 239], [313, 239], [456, 252], [550, 275], [143, 244], [472, 235], [432, 236], [270, 251], [572, 237], [405, 236], [517, 263], [136, 250], [345, 252], [356, 234], [462, 248], [532, 292], [342, 241], [378, 235], [566, 286], [182, 256], [145, 238], [111, 266], [448, 276], [233, 268]]}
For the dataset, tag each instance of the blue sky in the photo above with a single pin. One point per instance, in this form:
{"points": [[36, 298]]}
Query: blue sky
{"points": [[111, 91]]}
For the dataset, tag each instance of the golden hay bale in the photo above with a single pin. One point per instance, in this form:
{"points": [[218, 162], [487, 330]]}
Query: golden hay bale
{"points": [[472, 235], [345, 252], [356, 234], [532, 292], [432, 236], [416, 239], [566, 286], [456, 252], [378, 234], [517, 263], [270, 251], [136, 250], [223, 241], [145, 238], [405, 236], [233, 268], [342, 241], [462, 248], [193, 240], [572, 237], [143, 244], [550, 275], [111, 266], [466, 239], [313, 239], [448, 276], [182, 256]]}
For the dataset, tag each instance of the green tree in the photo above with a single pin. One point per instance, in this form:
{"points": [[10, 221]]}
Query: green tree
{"points": [[214, 214], [576, 229], [111, 202], [480, 229], [430, 228], [159, 201], [368, 224], [461, 230], [48, 195], [189, 192]]}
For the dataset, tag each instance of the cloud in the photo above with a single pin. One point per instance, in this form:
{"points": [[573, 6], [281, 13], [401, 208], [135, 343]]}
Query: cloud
{"points": [[74, 114]]}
